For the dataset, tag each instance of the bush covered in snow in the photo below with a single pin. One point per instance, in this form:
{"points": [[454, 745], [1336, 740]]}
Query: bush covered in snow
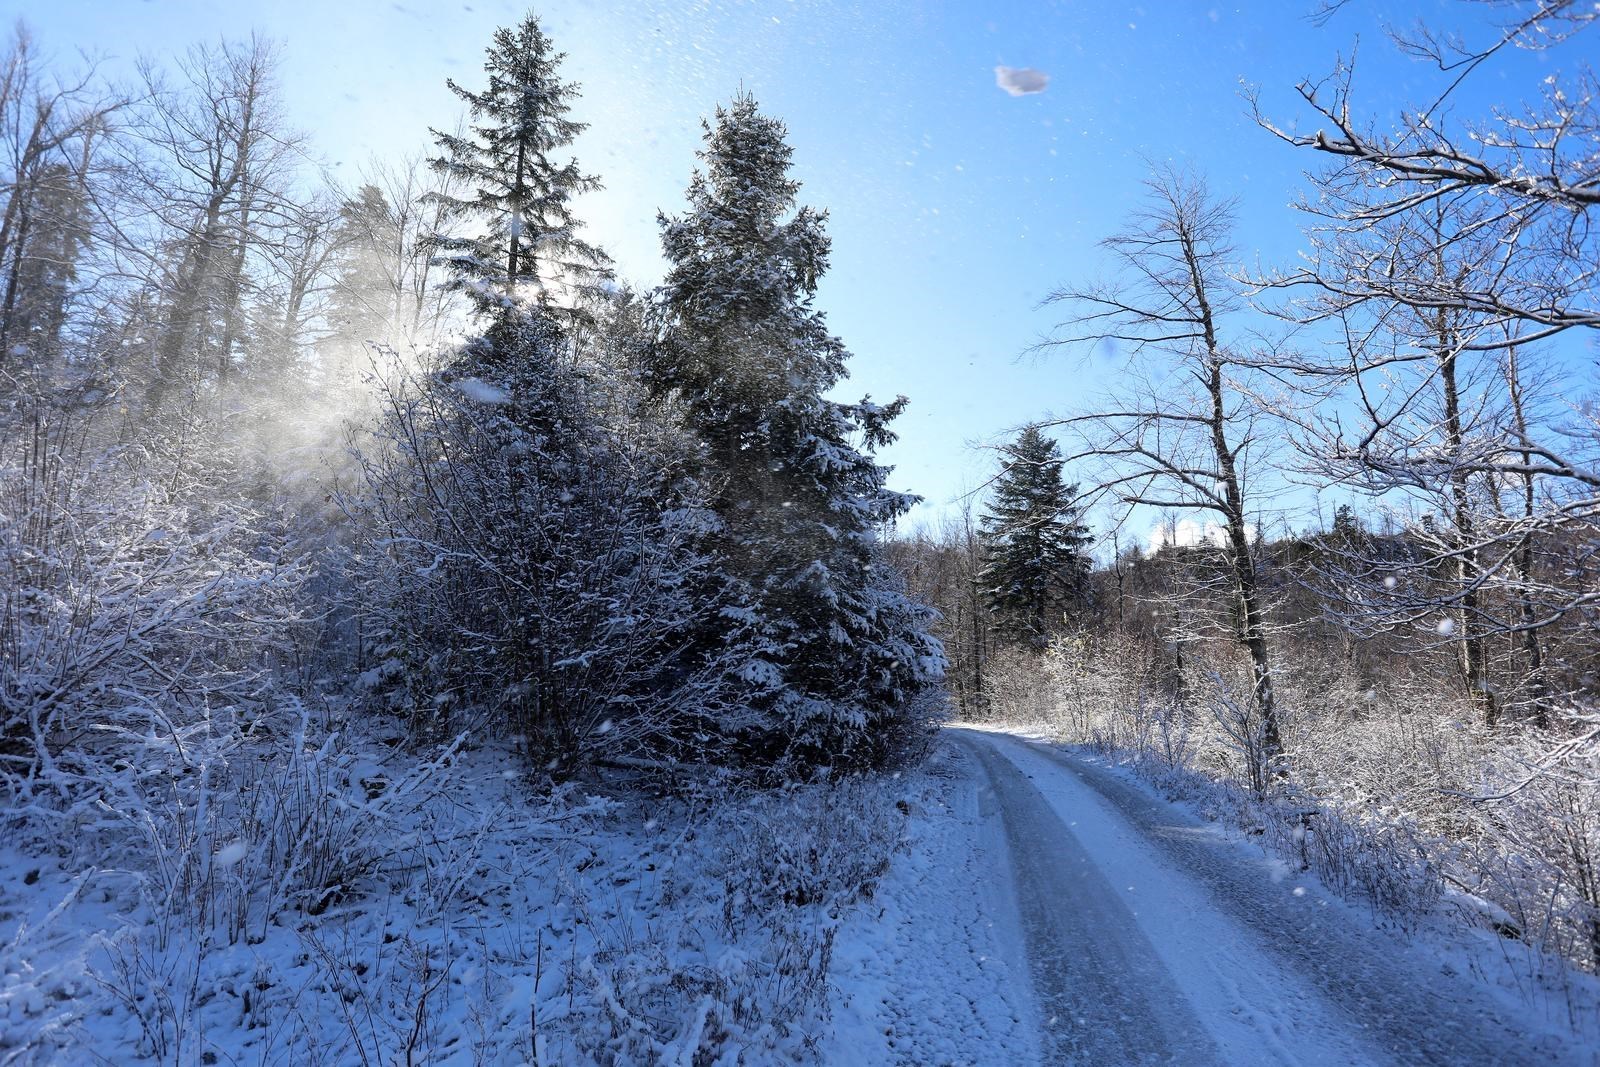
{"points": [[138, 597], [527, 564], [739, 974]]}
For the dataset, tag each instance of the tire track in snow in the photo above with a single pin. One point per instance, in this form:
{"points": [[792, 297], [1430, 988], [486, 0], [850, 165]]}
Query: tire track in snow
{"points": [[1103, 992], [1272, 972]]}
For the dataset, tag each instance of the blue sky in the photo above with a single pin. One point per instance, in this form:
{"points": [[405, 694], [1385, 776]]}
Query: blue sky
{"points": [[954, 206]]}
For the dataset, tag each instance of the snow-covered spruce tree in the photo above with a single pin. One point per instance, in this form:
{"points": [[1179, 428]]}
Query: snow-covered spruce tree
{"points": [[839, 650], [533, 556], [502, 174], [1036, 567]]}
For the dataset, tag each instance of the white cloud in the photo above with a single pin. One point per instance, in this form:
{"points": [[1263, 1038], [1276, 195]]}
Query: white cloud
{"points": [[1021, 81]]}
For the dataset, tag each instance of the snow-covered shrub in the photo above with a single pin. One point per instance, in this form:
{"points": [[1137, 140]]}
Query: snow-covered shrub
{"points": [[907, 736], [823, 844], [1103, 690], [137, 598], [744, 973], [1019, 688], [288, 844], [528, 567], [1241, 732], [1538, 812], [287, 817]]}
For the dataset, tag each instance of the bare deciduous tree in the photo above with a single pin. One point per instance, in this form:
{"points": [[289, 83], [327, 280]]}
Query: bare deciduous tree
{"points": [[51, 131], [220, 159], [1534, 173], [1181, 434], [1442, 251], [386, 286]]}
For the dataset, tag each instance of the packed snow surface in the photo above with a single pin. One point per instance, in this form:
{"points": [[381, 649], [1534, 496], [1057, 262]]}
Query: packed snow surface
{"points": [[1053, 911]]}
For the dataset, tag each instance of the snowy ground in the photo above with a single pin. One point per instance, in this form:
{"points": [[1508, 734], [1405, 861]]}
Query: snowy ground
{"points": [[486, 926], [1058, 911], [1011, 903], [933, 970]]}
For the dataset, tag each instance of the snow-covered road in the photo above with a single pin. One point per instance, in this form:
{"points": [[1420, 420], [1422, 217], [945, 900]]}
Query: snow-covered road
{"points": [[1110, 927]]}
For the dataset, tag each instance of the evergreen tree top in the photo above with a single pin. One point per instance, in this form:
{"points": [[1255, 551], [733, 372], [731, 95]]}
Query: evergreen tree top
{"points": [[747, 158], [525, 100], [738, 254], [509, 181], [1030, 483], [1035, 545]]}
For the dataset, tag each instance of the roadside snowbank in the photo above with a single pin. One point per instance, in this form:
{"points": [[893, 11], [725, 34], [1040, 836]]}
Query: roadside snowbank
{"points": [[932, 970]]}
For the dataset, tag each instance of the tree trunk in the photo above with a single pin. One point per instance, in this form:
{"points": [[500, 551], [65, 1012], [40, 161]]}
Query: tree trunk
{"points": [[518, 191], [1474, 658], [188, 292], [21, 199], [1525, 556], [1252, 628]]}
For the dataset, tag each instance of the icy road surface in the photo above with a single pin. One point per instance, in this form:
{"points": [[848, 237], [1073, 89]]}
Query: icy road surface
{"points": [[1065, 915]]}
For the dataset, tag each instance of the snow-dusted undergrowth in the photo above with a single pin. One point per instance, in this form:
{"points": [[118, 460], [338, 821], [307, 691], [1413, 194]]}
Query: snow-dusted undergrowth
{"points": [[331, 898]]}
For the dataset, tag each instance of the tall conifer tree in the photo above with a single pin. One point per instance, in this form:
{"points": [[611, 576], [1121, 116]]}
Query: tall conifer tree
{"points": [[511, 181], [838, 649], [1036, 566]]}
